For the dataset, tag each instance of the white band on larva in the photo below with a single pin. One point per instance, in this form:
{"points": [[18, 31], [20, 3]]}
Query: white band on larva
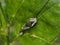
{"points": [[21, 33], [33, 20]]}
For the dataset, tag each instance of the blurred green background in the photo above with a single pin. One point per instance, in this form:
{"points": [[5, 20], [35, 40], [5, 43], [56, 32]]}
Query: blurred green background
{"points": [[14, 13]]}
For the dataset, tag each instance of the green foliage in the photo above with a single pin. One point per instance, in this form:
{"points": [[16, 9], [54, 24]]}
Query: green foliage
{"points": [[14, 13]]}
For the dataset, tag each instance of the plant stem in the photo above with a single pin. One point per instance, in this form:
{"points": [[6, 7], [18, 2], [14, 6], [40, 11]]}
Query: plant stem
{"points": [[42, 8], [8, 41]]}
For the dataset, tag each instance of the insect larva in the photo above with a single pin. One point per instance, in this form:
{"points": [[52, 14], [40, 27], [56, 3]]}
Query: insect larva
{"points": [[30, 23]]}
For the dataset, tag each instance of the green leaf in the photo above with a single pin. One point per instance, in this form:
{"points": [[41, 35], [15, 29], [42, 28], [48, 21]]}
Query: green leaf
{"points": [[16, 12]]}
